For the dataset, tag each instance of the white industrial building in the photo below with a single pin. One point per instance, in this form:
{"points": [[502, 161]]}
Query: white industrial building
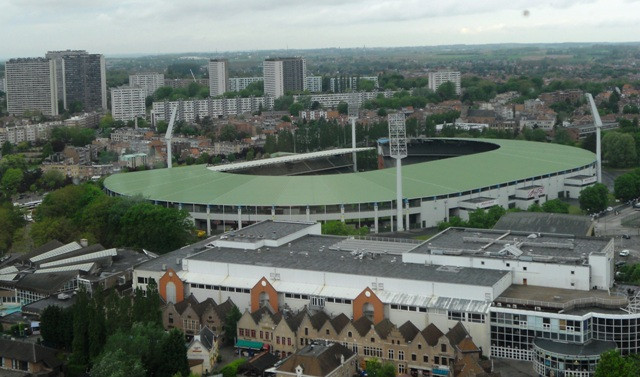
{"points": [[519, 295]]}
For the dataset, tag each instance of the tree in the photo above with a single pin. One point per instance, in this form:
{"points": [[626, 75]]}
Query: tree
{"points": [[339, 228], [377, 369], [56, 327], [52, 180], [118, 364], [343, 108], [295, 108], [555, 206], [612, 364], [228, 133], [174, 355], [619, 150], [593, 199], [7, 148], [11, 180], [627, 186], [446, 91], [230, 325]]}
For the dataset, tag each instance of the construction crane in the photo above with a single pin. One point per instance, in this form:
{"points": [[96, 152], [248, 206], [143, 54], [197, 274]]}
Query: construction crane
{"points": [[169, 135], [597, 122], [192, 75]]}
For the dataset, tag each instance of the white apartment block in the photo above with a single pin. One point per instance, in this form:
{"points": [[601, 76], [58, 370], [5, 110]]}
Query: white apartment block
{"points": [[314, 84], [29, 133], [150, 82], [189, 110], [282, 75], [3, 85], [440, 77], [31, 86], [331, 100], [237, 84], [127, 103], [218, 77]]}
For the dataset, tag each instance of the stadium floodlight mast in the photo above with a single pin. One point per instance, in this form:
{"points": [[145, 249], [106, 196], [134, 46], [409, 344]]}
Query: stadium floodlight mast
{"points": [[169, 135], [398, 150], [597, 122], [353, 116]]}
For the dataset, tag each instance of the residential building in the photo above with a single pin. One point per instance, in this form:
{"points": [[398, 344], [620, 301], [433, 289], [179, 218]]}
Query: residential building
{"points": [[128, 103], [331, 100], [349, 83], [31, 86], [282, 75], [204, 348], [314, 84], [319, 360], [89, 120], [440, 77], [28, 359], [218, 77], [3, 86], [189, 110], [85, 81], [134, 160], [58, 58], [150, 82], [30, 132], [237, 84]]}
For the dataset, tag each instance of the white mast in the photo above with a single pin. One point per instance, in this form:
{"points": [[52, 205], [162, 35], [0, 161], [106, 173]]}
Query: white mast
{"points": [[353, 116], [169, 135], [598, 123], [398, 150]]}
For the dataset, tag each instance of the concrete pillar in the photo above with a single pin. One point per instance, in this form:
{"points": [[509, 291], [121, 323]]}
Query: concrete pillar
{"points": [[375, 218], [208, 220], [273, 212], [406, 215], [342, 212], [308, 214], [239, 217]]}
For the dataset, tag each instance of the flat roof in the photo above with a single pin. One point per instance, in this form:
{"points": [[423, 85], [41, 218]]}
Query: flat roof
{"points": [[315, 253], [547, 297], [491, 243], [593, 348], [268, 229], [514, 160]]}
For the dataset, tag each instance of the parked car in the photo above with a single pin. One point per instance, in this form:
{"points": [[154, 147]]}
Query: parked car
{"points": [[624, 253], [626, 236], [609, 209]]}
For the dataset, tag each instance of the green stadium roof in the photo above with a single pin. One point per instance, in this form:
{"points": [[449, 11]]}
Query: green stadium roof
{"points": [[514, 160]]}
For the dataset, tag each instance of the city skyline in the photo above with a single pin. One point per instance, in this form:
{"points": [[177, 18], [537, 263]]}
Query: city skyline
{"points": [[121, 27]]}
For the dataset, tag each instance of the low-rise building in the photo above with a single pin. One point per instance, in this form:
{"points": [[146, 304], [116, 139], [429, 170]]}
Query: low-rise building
{"points": [[28, 359], [319, 360]]}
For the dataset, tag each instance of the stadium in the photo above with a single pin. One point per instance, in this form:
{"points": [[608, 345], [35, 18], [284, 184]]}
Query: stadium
{"points": [[441, 178]]}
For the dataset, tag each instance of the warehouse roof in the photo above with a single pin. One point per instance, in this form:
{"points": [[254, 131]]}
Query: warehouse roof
{"points": [[514, 160]]}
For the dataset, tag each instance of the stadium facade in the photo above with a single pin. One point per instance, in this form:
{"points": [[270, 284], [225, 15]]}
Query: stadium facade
{"points": [[509, 173]]}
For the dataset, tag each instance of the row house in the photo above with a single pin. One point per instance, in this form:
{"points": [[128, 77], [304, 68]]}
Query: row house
{"points": [[426, 352], [190, 315]]}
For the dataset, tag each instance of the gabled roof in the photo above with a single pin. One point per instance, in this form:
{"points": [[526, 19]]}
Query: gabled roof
{"points": [[457, 334], [384, 327], [319, 319], [362, 325], [408, 331], [207, 337], [294, 320], [467, 345], [190, 301], [206, 304], [224, 308], [431, 334], [257, 315], [316, 360], [29, 352], [339, 322], [53, 244], [260, 362]]}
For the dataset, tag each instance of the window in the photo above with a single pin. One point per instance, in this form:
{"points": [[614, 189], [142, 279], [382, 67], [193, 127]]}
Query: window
{"points": [[425, 358], [288, 341], [524, 268], [142, 280], [401, 368], [573, 284], [482, 263], [327, 331], [170, 318], [306, 331], [302, 341], [573, 272], [317, 301], [261, 335], [277, 340], [444, 361], [241, 332], [436, 359], [350, 334], [390, 354], [413, 357], [373, 340], [419, 346], [508, 264], [455, 316], [400, 355], [253, 333], [443, 348]]}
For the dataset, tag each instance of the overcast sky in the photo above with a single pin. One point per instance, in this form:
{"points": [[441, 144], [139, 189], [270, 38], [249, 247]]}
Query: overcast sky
{"points": [[31, 27]]}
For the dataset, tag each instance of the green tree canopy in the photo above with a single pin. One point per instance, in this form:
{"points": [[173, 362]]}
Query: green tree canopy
{"points": [[594, 198], [627, 186], [377, 369], [619, 150], [555, 206]]}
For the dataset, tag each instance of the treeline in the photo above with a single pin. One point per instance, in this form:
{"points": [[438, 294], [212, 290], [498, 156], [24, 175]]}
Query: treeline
{"points": [[627, 186], [193, 90], [112, 335], [84, 211]]}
